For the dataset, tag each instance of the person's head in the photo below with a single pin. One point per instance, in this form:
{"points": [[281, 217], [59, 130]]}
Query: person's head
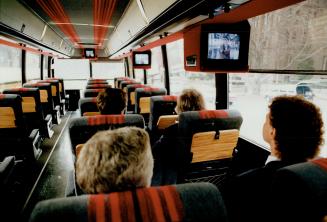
{"points": [[115, 160], [190, 100], [111, 101], [293, 128]]}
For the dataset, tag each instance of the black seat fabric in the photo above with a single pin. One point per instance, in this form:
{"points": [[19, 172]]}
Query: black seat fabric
{"points": [[88, 105], [15, 138], [120, 79], [299, 192], [92, 92], [123, 84], [183, 202], [83, 128], [32, 108], [161, 105]]}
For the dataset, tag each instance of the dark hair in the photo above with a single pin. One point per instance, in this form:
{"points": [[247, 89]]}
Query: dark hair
{"points": [[299, 128], [111, 101]]}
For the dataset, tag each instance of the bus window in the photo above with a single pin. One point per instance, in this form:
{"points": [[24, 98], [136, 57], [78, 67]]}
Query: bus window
{"points": [[156, 75], [292, 38], [180, 79], [10, 66], [139, 75], [108, 70], [33, 65]]}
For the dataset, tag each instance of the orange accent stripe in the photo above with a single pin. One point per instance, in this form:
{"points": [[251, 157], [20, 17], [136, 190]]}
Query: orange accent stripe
{"points": [[174, 203], [169, 98], [56, 12], [16, 45], [208, 114], [322, 162], [144, 210], [96, 209], [105, 119], [102, 15], [130, 211], [115, 207], [156, 204]]}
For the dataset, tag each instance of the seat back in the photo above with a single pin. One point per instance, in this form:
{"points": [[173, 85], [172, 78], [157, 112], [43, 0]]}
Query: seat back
{"points": [[31, 105], [143, 106], [130, 91], [45, 96], [120, 79], [92, 92], [160, 105], [124, 84], [97, 86], [61, 87], [55, 90], [96, 81], [299, 192], [11, 112], [83, 128], [204, 142], [87, 105], [182, 202]]}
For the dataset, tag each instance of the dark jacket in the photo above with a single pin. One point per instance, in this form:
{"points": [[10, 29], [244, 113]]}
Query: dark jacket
{"points": [[247, 195]]}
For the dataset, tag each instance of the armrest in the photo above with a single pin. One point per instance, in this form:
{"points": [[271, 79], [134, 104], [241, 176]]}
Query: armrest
{"points": [[48, 118], [33, 134], [6, 165]]}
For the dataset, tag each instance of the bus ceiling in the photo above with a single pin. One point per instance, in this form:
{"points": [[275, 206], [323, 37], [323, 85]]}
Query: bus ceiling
{"points": [[113, 27]]}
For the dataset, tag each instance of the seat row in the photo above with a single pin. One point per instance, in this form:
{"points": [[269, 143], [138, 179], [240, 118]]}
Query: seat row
{"points": [[27, 115], [300, 195]]}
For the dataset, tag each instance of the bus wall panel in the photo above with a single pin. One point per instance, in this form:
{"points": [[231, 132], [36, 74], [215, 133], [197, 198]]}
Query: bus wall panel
{"points": [[154, 8]]}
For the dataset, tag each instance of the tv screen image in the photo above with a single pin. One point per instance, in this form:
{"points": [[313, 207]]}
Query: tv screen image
{"points": [[89, 53], [142, 59], [223, 46]]}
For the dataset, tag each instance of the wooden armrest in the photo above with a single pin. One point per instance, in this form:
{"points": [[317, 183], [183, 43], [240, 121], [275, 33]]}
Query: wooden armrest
{"points": [[166, 121], [206, 147]]}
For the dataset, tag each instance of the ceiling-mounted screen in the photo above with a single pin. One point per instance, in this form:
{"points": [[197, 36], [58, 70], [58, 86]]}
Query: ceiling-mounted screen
{"points": [[142, 60]]}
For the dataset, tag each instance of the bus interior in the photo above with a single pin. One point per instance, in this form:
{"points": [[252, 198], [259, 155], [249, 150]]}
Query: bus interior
{"points": [[238, 53]]}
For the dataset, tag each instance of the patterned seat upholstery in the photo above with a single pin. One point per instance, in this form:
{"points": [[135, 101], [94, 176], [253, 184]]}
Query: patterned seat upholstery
{"points": [[160, 105], [15, 138], [88, 105], [92, 92], [183, 202], [299, 192], [123, 84], [83, 128], [63, 97], [96, 81]]}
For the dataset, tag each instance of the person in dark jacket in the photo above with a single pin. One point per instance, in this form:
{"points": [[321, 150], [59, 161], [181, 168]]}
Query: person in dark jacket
{"points": [[165, 151], [294, 131]]}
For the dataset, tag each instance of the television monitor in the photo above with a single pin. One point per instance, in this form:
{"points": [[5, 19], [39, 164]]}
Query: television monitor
{"points": [[225, 46], [89, 53], [142, 59]]}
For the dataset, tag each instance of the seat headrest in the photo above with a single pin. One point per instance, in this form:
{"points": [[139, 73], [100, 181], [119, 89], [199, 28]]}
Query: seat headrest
{"points": [[182, 202]]}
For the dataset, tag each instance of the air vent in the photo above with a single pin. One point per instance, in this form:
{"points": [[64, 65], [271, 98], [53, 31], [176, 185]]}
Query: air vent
{"points": [[88, 43]]}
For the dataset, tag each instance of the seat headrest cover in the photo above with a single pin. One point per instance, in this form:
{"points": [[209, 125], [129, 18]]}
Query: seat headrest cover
{"points": [[37, 84], [322, 162], [9, 96], [105, 119], [22, 90], [149, 204]]}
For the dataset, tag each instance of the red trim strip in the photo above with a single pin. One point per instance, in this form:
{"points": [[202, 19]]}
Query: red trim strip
{"points": [[102, 14], [169, 98], [56, 12], [105, 119], [16, 45], [322, 162], [209, 114]]}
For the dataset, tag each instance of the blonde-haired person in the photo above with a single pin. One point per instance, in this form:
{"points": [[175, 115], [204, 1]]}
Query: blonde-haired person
{"points": [[115, 160], [168, 158]]}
